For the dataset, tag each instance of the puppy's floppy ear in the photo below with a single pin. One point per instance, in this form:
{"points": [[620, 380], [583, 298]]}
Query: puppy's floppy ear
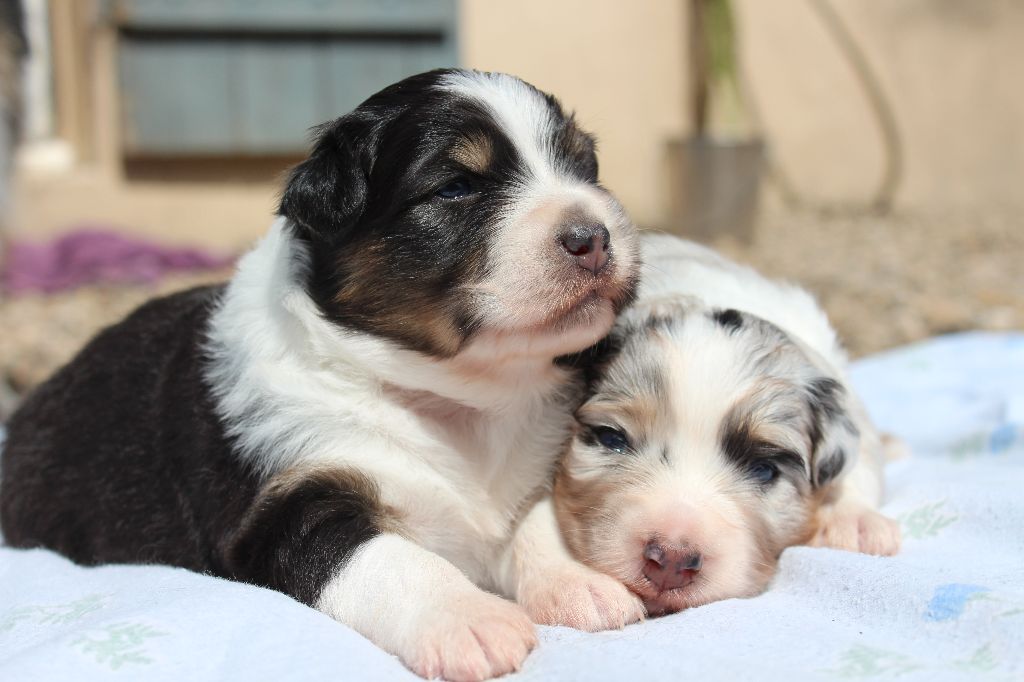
{"points": [[834, 436], [325, 195]]}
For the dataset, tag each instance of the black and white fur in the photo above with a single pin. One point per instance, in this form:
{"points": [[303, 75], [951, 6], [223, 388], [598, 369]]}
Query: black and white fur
{"points": [[721, 429], [368, 415]]}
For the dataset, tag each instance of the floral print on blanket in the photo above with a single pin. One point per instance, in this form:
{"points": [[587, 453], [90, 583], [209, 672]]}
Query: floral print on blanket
{"points": [[950, 601], [926, 521], [118, 644], [52, 614], [866, 661], [113, 645], [1006, 439]]}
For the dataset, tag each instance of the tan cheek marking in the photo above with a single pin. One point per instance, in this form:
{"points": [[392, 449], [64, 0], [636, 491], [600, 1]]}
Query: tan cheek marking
{"points": [[358, 266], [579, 507], [819, 498], [766, 547], [410, 314], [806, 531], [770, 541]]}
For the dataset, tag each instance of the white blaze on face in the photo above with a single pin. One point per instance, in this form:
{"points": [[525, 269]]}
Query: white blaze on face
{"points": [[533, 287], [683, 491], [521, 112]]}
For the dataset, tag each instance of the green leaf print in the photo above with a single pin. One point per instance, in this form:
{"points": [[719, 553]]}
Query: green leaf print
{"points": [[119, 644], [865, 661], [926, 521], [983, 660], [53, 614]]}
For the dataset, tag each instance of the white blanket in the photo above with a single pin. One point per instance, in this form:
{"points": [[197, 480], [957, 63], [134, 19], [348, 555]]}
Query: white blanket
{"points": [[949, 607]]}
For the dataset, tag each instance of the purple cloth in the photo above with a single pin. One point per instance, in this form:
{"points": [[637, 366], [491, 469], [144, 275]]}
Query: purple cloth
{"points": [[88, 256]]}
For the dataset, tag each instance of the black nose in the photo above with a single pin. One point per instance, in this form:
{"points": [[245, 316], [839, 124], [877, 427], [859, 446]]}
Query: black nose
{"points": [[669, 568], [588, 245]]}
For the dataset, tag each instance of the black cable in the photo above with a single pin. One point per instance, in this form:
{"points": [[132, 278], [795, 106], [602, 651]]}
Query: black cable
{"points": [[892, 176]]}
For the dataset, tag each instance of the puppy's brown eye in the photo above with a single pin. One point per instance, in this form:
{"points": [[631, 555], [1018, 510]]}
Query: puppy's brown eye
{"points": [[456, 189], [611, 439]]}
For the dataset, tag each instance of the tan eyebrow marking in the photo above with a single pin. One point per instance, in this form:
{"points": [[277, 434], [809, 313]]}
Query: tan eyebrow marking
{"points": [[475, 151]]}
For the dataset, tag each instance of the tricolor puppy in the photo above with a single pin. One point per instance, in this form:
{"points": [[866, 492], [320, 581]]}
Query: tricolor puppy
{"points": [[720, 431], [365, 417]]}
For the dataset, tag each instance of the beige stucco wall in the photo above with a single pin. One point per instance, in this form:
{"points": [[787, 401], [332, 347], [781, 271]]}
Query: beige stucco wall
{"points": [[617, 64], [950, 68]]}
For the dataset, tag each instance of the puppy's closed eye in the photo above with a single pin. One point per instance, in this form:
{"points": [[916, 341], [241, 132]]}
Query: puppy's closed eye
{"points": [[457, 188], [607, 437], [766, 463], [763, 471]]}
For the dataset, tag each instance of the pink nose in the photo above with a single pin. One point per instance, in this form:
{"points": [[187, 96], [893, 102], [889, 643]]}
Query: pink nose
{"points": [[669, 568], [588, 245]]}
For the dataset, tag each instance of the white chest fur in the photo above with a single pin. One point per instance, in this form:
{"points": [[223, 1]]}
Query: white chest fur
{"points": [[456, 451]]}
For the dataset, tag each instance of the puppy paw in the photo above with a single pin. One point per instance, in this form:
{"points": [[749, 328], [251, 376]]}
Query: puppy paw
{"points": [[472, 636], [580, 598], [894, 448], [857, 529]]}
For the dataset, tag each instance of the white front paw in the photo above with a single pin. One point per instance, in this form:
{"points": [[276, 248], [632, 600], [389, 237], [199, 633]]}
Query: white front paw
{"points": [[472, 636], [857, 529], [581, 598]]}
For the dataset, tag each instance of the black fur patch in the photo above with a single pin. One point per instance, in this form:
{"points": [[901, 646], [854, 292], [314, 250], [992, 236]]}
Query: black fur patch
{"points": [[296, 536], [743, 449], [731, 320], [661, 323], [829, 467], [119, 457], [825, 398], [593, 362]]}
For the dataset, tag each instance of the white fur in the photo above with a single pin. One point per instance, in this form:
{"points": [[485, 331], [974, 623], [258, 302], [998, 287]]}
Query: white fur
{"points": [[676, 267], [456, 449], [413, 602], [554, 588]]}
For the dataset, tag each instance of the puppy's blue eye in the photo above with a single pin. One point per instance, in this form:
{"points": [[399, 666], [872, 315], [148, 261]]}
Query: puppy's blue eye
{"points": [[456, 189], [763, 472], [612, 439]]}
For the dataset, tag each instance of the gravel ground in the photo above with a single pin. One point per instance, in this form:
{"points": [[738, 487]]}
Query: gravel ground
{"points": [[885, 281]]}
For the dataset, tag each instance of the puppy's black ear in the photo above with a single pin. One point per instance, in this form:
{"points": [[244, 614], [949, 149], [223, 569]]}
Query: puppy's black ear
{"points": [[834, 437], [325, 195]]}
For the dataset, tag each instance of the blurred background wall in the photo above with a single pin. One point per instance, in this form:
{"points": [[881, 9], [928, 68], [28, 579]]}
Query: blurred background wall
{"points": [[950, 69], [883, 164]]}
